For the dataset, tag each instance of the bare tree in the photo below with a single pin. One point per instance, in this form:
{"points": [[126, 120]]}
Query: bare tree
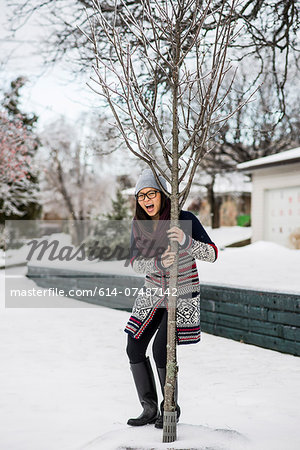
{"points": [[270, 31], [70, 182], [249, 134], [167, 38]]}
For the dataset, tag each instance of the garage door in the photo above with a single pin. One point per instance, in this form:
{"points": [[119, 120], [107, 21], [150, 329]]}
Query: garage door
{"points": [[282, 214]]}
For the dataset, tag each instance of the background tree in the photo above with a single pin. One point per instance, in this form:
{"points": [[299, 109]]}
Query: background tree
{"points": [[120, 209], [251, 133], [268, 34], [18, 147], [17, 192], [72, 180], [11, 103], [168, 39], [113, 227]]}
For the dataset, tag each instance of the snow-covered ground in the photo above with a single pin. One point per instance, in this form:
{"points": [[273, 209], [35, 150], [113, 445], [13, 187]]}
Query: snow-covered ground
{"points": [[261, 265], [65, 384], [224, 236]]}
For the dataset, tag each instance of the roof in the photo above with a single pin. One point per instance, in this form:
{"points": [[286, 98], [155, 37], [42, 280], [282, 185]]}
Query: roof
{"points": [[287, 157], [224, 184]]}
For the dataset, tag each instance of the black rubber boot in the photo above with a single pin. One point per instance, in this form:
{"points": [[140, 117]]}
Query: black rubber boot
{"points": [[162, 379], [145, 386]]}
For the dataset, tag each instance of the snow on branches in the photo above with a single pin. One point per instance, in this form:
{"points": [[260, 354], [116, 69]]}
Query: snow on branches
{"points": [[16, 147]]}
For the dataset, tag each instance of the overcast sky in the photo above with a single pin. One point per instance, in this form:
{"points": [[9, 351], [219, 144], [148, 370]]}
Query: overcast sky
{"points": [[48, 92]]}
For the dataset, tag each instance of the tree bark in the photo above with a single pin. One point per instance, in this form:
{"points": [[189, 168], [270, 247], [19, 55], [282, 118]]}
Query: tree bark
{"points": [[169, 428], [214, 204]]}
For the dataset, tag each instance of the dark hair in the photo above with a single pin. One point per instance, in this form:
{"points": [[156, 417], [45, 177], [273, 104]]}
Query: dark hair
{"points": [[141, 214]]}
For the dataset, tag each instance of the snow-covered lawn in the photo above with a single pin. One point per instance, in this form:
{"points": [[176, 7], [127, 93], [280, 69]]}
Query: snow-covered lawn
{"points": [[65, 384], [261, 265], [228, 235]]}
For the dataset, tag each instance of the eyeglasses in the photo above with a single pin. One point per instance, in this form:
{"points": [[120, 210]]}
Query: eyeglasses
{"points": [[150, 194]]}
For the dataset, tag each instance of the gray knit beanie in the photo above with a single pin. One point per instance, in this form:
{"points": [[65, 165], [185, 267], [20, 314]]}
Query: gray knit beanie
{"points": [[147, 179]]}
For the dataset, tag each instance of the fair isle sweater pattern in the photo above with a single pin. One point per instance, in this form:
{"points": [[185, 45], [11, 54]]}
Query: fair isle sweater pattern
{"points": [[197, 246]]}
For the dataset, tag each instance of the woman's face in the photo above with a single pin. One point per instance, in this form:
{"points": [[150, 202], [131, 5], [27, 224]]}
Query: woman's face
{"points": [[150, 205]]}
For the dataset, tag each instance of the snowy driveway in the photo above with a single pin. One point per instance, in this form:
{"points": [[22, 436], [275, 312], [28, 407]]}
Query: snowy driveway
{"points": [[65, 381]]}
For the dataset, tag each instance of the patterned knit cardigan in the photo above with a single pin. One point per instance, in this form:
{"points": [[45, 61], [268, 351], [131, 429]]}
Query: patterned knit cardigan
{"points": [[197, 245]]}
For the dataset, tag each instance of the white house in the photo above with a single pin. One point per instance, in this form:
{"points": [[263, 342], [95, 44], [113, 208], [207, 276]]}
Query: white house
{"points": [[275, 207]]}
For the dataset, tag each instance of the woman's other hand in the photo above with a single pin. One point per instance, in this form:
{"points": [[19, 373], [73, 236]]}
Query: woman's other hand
{"points": [[168, 257]]}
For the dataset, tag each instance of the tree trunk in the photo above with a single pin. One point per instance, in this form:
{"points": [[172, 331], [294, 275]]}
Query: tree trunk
{"points": [[170, 415], [214, 204]]}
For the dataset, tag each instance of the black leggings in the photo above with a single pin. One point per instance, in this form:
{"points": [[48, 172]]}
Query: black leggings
{"points": [[136, 348]]}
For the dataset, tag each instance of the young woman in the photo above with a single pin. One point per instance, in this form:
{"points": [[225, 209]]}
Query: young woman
{"points": [[151, 255]]}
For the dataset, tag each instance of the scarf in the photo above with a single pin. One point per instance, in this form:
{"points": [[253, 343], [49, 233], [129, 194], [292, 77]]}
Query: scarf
{"points": [[152, 243]]}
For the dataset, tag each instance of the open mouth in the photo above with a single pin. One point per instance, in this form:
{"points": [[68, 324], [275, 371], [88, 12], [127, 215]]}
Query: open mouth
{"points": [[150, 207]]}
